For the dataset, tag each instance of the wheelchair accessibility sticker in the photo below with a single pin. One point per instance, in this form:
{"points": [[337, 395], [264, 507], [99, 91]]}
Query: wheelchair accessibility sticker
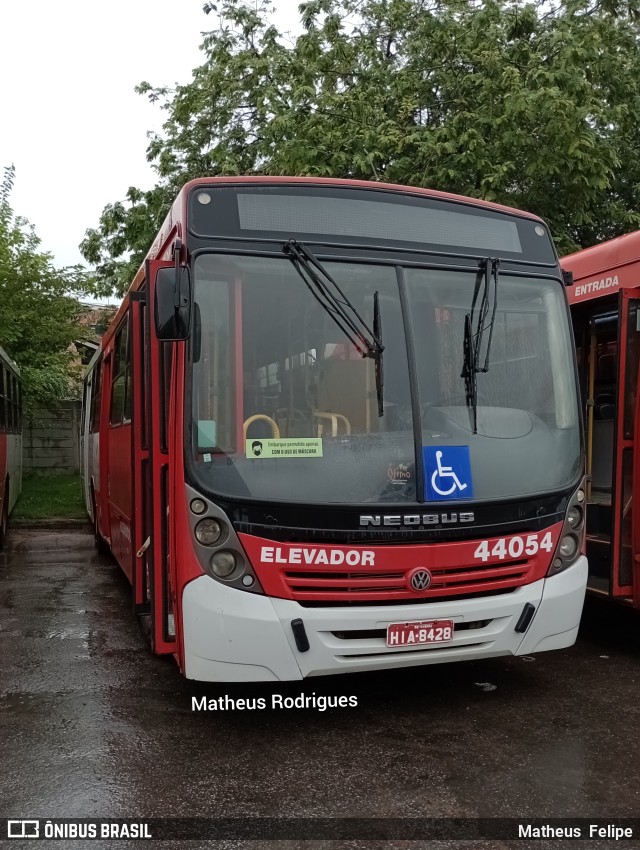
{"points": [[447, 472]]}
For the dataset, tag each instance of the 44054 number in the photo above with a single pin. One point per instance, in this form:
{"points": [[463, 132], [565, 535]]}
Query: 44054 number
{"points": [[514, 547]]}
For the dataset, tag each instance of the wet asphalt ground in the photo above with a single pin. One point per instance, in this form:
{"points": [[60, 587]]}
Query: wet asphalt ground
{"points": [[92, 725]]}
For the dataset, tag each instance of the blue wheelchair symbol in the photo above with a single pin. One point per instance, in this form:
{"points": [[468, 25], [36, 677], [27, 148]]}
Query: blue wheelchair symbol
{"points": [[448, 472]]}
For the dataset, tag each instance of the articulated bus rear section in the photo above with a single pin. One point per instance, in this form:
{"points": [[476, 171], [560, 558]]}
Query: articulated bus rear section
{"points": [[10, 440], [605, 309], [334, 427]]}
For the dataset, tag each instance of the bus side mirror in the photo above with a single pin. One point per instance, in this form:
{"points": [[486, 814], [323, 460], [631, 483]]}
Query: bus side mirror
{"points": [[173, 304]]}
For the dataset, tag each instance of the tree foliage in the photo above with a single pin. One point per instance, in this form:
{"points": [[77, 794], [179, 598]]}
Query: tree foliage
{"points": [[38, 316], [531, 105]]}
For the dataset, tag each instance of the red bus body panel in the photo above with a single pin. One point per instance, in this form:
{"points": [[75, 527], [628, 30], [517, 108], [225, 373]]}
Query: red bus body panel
{"points": [[119, 495], [378, 573], [608, 276], [604, 269]]}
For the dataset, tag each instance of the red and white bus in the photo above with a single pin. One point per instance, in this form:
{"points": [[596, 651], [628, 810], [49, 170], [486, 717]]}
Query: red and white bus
{"points": [[605, 308], [10, 440], [335, 427]]}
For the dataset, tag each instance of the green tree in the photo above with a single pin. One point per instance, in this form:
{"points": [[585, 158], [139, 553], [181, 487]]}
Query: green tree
{"points": [[530, 105], [38, 315]]}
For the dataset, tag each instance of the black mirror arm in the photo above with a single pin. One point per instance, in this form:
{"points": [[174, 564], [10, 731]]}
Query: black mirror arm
{"points": [[177, 251]]}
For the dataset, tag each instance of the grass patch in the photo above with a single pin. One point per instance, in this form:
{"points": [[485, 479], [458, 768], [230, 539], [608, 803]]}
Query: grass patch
{"points": [[50, 497]]}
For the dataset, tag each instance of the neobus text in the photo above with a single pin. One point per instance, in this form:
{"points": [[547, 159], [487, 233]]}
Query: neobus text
{"points": [[416, 519]]}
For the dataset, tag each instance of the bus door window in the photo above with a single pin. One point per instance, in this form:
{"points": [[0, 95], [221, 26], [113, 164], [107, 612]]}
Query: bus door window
{"points": [[605, 359], [118, 382], [600, 365], [146, 378], [631, 371], [632, 359], [213, 370], [128, 399], [166, 360]]}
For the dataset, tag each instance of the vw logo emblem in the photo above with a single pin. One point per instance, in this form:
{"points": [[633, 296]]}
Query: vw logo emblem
{"points": [[419, 579]]}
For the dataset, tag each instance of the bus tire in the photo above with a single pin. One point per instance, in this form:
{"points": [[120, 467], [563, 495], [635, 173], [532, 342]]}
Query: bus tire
{"points": [[98, 539], [4, 521]]}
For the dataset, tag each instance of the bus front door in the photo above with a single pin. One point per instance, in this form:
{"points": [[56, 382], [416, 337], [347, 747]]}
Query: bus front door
{"points": [[625, 549], [597, 337], [151, 575]]}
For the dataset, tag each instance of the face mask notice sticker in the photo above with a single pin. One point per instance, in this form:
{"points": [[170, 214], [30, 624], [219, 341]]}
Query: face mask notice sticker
{"points": [[447, 473], [283, 448]]}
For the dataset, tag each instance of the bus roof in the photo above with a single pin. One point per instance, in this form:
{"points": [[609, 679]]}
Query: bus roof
{"points": [[361, 184], [160, 248], [604, 269]]}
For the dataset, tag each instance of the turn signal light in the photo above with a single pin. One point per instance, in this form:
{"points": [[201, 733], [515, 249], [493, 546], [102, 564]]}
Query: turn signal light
{"points": [[198, 506]]}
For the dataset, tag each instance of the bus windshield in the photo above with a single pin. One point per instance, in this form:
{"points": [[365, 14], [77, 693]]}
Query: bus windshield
{"points": [[284, 406]]}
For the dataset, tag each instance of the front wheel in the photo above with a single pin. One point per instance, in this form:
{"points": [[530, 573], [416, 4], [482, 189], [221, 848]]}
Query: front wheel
{"points": [[98, 539], [4, 521]]}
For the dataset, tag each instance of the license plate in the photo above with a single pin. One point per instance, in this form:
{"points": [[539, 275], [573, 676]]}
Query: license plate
{"points": [[419, 634]]}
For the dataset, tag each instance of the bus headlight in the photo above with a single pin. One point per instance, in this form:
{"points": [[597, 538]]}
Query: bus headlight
{"points": [[572, 537], [216, 546], [208, 531], [574, 516], [568, 547], [223, 563]]}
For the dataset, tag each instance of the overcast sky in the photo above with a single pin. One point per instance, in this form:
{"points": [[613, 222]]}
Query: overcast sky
{"points": [[71, 122]]}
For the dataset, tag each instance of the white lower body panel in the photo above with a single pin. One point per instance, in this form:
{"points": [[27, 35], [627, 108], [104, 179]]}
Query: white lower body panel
{"points": [[233, 636]]}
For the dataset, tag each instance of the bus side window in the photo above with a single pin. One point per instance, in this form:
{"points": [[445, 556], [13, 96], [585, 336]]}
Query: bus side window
{"points": [[16, 406], [9, 398], [166, 359], [116, 413], [3, 421], [83, 415], [94, 423], [128, 400]]}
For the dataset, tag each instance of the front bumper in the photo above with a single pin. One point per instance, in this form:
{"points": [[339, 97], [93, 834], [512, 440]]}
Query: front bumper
{"points": [[232, 636]]}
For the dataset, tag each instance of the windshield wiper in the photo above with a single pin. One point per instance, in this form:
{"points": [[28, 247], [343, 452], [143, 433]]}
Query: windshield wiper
{"points": [[327, 292], [474, 334]]}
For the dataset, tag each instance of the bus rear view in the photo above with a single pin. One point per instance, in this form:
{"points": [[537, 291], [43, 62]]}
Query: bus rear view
{"points": [[373, 453]]}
